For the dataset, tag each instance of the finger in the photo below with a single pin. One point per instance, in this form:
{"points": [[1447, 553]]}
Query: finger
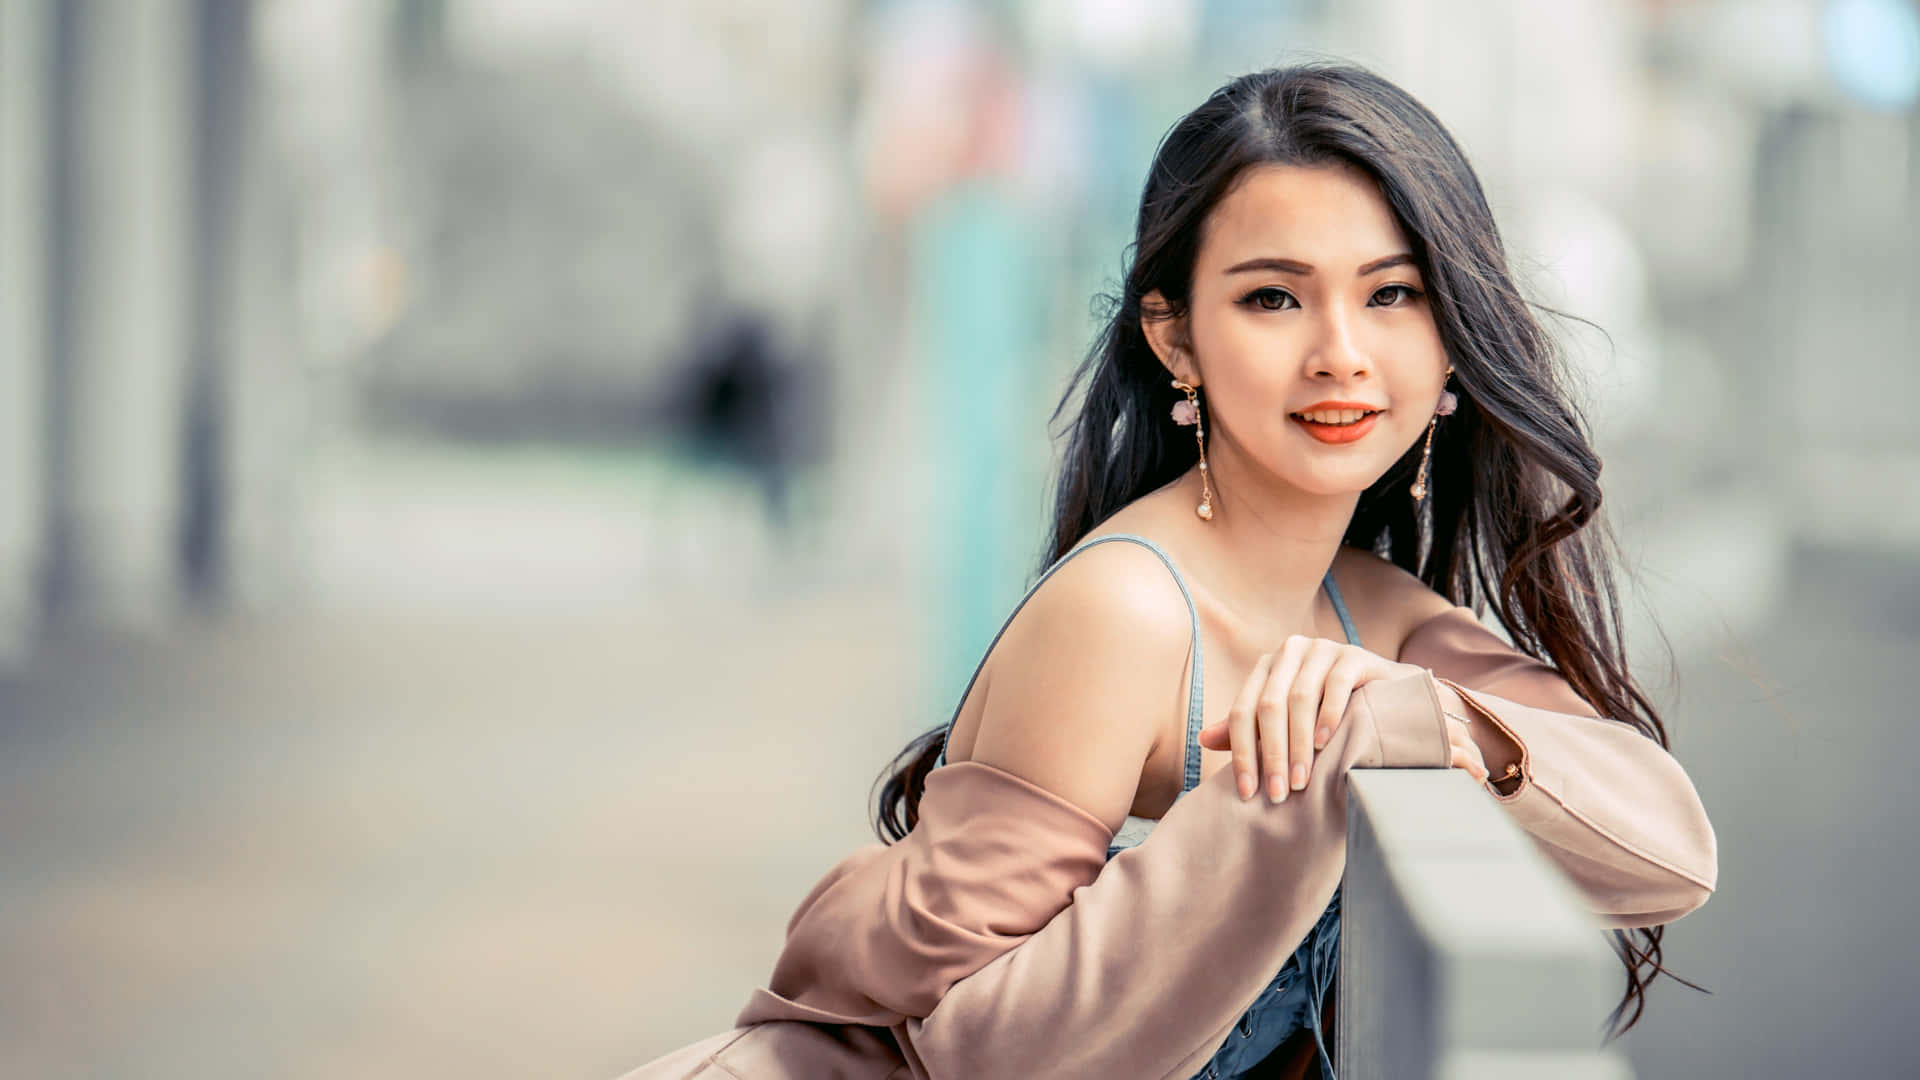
{"points": [[1271, 716], [1214, 736], [1463, 760], [1303, 708], [1240, 726], [1464, 746], [1342, 679], [1462, 736]]}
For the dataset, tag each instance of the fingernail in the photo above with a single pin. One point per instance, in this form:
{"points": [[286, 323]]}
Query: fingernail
{"points": [[1320, 738], [1246, 786], [1276, 791], [1299, 776]]}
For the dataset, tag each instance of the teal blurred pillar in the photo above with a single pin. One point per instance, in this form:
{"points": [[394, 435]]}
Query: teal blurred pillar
{"points": [[976, 332]]}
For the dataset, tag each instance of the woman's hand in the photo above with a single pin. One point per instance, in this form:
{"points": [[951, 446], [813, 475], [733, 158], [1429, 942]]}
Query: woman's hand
{"points": [[1292, 701]]}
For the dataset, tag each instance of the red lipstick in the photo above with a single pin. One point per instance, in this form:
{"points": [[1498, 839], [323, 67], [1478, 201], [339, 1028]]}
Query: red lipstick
{"points": [[1338, 433]]}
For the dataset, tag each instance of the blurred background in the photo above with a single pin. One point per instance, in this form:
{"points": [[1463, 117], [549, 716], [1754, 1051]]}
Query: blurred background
{"points": [[485, 485]]}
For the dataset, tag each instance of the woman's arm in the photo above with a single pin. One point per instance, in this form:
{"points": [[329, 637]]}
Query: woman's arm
{"points": [[1084, 679], [887, 931], [1148, 968], [1072, 702], [1612, 808]]}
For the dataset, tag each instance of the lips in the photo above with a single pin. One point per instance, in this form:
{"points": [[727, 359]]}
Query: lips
{"points": [[1337, 421]]}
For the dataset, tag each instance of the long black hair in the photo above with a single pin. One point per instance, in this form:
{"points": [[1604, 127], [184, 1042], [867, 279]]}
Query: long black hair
{"points": [[1511, 522]]}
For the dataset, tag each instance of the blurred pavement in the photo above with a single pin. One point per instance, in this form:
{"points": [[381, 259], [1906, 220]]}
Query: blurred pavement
{"points": [[435, 847]]}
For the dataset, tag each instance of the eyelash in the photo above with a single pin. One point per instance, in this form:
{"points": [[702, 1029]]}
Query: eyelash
{"points": [[1252, 299]]}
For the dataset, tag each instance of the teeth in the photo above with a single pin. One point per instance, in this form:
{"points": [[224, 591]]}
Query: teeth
{"points": [[1334, 416]]}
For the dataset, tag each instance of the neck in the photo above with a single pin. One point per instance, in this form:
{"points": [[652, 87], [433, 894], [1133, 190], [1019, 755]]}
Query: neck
{"points": [[1270, 542]]}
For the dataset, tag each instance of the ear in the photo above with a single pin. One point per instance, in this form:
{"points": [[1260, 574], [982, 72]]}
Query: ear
{"points": [[1167, 337]]}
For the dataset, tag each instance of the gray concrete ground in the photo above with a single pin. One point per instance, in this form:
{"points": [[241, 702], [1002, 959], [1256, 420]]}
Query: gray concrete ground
{"points": [[437, 847], [558, 846], [1802, 744]]}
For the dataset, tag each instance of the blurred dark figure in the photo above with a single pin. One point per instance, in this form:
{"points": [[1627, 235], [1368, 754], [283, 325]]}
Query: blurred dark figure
{"points": [[746, 403]]}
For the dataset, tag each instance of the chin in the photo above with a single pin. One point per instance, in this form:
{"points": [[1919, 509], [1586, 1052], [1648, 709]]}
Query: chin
{"points": [[1330, 485]]}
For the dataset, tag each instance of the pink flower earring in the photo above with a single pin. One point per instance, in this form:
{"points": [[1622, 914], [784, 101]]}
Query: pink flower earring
{"points": [[1187, 414], [1448, 403]]}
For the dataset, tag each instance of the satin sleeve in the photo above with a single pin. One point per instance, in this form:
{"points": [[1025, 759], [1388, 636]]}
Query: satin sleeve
{"points": [[1608, 805]]}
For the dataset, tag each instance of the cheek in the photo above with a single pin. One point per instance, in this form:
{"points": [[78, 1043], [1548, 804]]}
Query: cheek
{"points": [[1415, 362], [1230, 337], [1409, 435], [1433, 352], [1247, 355]]}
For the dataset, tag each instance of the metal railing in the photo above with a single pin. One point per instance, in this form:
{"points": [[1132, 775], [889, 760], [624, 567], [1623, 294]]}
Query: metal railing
{"points": [[1463, 951]]}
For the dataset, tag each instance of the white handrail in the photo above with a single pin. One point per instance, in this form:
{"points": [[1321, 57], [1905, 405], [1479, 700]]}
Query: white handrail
{"points": [[1463, 951]]}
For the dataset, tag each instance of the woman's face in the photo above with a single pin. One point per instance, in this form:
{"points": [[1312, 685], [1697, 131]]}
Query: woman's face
{"points": [[1305, 292]]}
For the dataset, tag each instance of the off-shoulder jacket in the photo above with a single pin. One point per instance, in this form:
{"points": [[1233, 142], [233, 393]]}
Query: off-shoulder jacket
{"points": [[996, 939]]}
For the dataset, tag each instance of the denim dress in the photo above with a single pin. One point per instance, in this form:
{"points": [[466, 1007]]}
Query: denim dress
{"points": [[1292, 1000]]}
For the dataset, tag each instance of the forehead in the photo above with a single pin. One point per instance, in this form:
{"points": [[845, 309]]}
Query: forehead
{"points": [[1332, 216]]}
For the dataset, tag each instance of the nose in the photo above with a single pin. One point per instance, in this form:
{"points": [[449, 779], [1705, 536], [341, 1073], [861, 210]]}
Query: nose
{"points": [[1338, 354]]}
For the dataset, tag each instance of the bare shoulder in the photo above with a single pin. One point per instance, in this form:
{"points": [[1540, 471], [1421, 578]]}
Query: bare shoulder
{"points": [[1085, 676], [1392, 597], [1119, 581]]}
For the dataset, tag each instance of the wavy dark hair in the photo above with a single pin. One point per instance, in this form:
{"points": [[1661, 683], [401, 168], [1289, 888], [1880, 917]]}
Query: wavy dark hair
{"points": [[1512, 522]]}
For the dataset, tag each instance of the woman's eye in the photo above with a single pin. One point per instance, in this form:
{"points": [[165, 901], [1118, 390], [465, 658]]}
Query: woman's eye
{"points": [[1395, 295], [1270, 299]]}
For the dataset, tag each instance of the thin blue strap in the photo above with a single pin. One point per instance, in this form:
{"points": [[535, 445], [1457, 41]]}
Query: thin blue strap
{"points": [[1195, 684], [1193, 732], [1340, 609]]}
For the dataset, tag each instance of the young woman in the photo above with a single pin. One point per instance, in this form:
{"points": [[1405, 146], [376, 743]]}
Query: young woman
{"points": [[1321, 429]]}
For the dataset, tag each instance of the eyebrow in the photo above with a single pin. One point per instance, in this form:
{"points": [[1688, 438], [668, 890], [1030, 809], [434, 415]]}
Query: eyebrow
{"points": [[1289, 266]]}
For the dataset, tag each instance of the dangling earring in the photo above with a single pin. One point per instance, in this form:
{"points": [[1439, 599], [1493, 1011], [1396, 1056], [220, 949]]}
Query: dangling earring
{"points": [[1448, 402], [1187, 414]]}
